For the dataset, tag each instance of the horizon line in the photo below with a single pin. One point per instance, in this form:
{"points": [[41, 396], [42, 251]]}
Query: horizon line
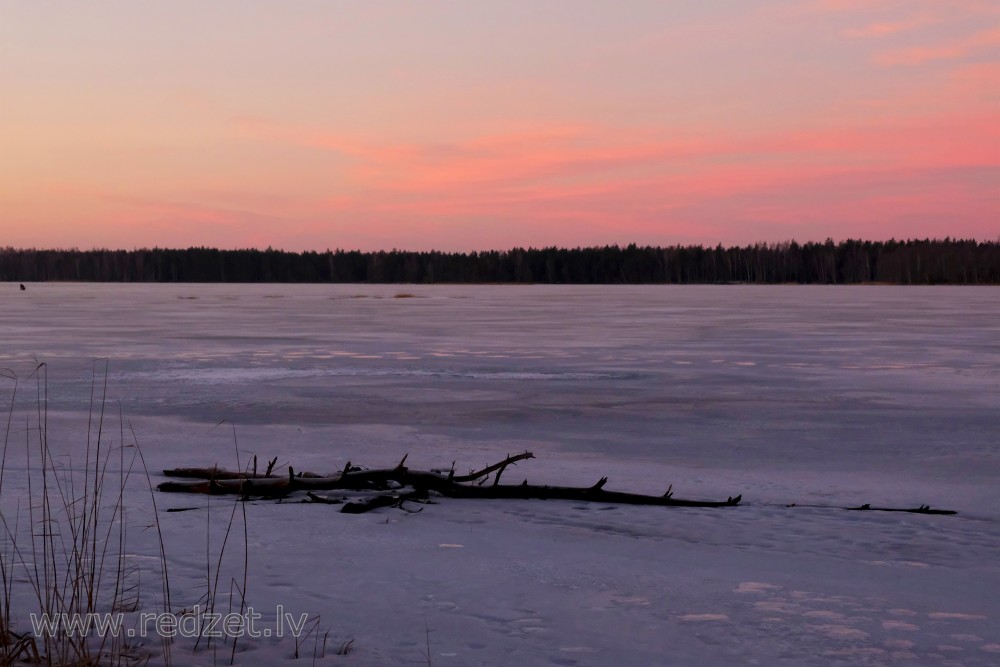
{"points": [[703, 246]]}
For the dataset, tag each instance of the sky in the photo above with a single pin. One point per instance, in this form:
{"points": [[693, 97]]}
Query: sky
{"points": [[496, 123]]}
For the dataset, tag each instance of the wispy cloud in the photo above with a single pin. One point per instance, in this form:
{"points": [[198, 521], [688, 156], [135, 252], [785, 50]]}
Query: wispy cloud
{"points": [[600, 178], [885, 28], [973, 44]]}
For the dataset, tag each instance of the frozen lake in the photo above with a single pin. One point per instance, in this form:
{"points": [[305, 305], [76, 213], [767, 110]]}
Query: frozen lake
{"points": [[811, 395]]}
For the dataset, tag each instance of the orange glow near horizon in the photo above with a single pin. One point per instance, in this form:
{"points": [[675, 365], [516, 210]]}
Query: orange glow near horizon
{"points": [[462, 127]]}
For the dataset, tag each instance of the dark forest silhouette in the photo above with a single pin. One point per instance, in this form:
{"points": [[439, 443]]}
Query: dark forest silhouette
{"points": [[914, 262]]}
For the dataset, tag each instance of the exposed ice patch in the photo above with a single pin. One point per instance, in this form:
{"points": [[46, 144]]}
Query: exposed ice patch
{"points": [[948, 648], [754, 587], [855, 655], [630, 600], [779, 606], [703, 617], [956, 616], [902, 612], [899, 625], [838, 631]]}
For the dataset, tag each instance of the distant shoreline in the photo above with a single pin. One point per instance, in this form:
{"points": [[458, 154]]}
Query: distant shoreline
{"points": [[911, 262], [14, 284]]}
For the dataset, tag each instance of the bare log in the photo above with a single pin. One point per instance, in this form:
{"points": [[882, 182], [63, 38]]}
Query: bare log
{"points": [[594, 494], [272, 487], [394, 486], [207, 473], [420, 481], [201, 486], [923, 509]]}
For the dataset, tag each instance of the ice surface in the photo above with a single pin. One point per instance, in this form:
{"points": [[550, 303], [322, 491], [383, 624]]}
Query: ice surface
{"points": [[808, 395]]}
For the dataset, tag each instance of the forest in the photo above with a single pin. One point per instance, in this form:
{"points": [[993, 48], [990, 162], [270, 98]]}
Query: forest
{"points": [[910, 262]]}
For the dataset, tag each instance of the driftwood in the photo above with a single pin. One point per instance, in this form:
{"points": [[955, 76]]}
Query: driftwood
{"points": [[923, 509], [218, 473], [394, 486]]}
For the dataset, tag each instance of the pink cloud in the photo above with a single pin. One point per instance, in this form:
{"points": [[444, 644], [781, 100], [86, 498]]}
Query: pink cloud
{"points": [[565, 183], [975, 83], [884, 28], [954, 49], [952, 7], [539, 183]]}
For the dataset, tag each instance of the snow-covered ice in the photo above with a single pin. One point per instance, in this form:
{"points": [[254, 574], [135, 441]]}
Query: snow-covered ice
{"points": [[831, 396]]}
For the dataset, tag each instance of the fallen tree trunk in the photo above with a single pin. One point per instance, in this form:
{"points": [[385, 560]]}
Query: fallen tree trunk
{"points": [[217, 473], [217, 482], [595, 493], [532, 492], [923, 509]]}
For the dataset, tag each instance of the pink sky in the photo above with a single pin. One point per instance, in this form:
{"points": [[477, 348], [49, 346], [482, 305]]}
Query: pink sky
{"points": [[461, 126]]}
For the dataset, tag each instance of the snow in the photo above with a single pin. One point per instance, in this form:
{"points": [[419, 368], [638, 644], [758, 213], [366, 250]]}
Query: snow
{"points": [[831, 396]]}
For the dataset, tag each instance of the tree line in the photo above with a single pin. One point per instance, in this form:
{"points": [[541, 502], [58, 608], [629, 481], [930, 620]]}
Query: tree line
{"points": [[910, 262]]}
